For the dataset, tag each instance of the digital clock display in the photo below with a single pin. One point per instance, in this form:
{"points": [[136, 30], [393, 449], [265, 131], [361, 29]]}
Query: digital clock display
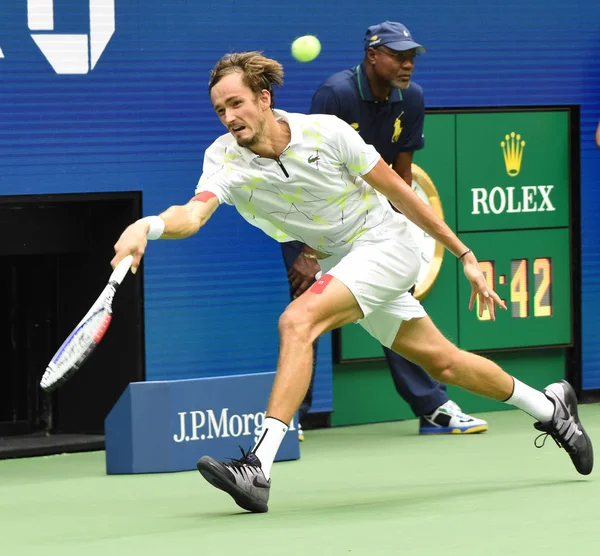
{"points": [[522, 289], [530, 272]]}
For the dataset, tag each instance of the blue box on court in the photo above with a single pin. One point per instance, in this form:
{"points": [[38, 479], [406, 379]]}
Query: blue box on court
{"points": [[166, 426]]}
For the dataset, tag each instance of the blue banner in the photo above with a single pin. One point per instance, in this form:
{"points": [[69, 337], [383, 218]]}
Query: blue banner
{"points": [[167, 426]]}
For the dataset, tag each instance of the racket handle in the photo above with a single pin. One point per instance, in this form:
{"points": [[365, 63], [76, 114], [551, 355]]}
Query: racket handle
{"points": [[121, 271]]}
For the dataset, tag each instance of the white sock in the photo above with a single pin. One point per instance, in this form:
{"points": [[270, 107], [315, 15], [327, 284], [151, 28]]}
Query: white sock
{"points": [[531, 401], [266, 448]]}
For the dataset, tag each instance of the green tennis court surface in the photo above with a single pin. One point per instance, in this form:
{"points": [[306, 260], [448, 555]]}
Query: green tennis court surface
{"points": [[366, 490]]}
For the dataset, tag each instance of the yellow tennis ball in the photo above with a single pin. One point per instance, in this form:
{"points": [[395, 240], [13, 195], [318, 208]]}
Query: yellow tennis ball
{"points": [[306, 48]]}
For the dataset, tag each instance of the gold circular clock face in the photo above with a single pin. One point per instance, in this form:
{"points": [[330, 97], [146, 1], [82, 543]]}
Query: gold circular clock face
{"points": [[432, 252]]}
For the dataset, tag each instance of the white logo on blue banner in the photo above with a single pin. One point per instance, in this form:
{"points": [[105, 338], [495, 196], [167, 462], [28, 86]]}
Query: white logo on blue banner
{"points": [[72, 53], [211, 423]]}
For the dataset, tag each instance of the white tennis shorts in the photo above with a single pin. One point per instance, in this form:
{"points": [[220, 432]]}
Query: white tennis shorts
{"points": [[380, 269]]}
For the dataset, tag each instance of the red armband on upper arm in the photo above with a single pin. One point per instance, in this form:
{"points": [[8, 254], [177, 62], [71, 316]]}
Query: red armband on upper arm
{"points": [[204, 196]]}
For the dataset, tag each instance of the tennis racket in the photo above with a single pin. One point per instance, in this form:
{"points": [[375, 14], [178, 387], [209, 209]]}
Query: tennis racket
{"points": [[87, 334]]}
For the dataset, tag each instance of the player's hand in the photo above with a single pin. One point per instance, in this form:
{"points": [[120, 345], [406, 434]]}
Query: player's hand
{"points": [[132, 242], [479, 288], [302, 274]]}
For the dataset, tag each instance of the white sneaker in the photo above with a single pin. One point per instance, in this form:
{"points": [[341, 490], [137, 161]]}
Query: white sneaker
{"points": [[300, 433], [449, 419]]}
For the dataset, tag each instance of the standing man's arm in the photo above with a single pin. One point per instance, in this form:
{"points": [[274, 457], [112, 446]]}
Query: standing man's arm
{"points": [[598, 136], [412, 141], [403, 166]]}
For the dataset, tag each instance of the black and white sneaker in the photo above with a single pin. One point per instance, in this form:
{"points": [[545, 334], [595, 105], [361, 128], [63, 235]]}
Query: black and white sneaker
{"points": [[243, 479], [565, 427]]}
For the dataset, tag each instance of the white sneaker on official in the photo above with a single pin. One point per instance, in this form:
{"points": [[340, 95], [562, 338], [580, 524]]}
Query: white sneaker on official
{"points": [[450, 419]]}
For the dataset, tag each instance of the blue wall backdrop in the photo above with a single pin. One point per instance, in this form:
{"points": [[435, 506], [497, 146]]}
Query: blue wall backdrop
{"points": [[141, 119]]}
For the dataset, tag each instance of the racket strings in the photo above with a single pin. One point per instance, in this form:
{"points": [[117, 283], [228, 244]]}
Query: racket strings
{"points": [[77, 347]]}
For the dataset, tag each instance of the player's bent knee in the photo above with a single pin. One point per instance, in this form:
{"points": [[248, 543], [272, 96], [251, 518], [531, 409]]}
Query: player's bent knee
{"points": [[445, 376], [295, 324], [304, 320], [442, 367], [441, 373]]}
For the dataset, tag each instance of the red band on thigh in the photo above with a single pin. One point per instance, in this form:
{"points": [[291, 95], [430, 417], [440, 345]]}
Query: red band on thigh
{"points": [[320, 285], [204, 196]]}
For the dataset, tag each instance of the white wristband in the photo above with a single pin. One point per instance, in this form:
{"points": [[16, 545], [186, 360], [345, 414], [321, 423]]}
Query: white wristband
{"points": [[157, 226]]}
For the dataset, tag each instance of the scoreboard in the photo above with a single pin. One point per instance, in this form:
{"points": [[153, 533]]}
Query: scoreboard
{"points": [[530, 270], [503, 178]]}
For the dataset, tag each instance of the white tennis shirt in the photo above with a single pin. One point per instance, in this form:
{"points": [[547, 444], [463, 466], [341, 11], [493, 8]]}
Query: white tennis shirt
{"points": [[313, 193]]}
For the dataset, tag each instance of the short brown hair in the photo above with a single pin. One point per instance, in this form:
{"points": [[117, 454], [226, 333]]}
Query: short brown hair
{"points": [[258, 71]]}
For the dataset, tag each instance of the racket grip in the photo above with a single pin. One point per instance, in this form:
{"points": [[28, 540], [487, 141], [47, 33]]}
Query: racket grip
{"points": [[121, 271]]}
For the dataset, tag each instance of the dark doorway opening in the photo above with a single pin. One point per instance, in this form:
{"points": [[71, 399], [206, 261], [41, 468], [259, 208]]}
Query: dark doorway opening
{"points": [[54, 261]]}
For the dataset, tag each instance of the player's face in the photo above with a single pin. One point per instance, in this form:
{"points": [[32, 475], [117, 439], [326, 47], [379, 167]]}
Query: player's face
{"points": [[395, 66], [240, 110]]}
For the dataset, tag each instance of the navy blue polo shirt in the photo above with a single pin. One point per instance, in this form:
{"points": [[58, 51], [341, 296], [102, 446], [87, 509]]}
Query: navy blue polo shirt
{"points": [[392, 126]]}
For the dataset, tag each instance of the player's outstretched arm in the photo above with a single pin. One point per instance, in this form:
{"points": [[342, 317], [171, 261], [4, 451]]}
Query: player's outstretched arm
{"points": [[391, 185], [183, 221], [177, 222]]}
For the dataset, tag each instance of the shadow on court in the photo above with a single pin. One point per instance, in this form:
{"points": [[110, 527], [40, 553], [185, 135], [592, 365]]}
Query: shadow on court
{"points": [[363, 499]]}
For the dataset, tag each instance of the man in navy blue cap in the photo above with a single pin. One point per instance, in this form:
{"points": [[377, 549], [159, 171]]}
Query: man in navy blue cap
{"points": [[379, 100]]}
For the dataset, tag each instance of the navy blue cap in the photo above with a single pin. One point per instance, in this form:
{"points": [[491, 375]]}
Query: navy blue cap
{"points": [[392, 34]]}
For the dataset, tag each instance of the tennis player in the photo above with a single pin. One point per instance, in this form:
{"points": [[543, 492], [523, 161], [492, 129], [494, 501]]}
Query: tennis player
{"points": [[379, 99], [312, 178]]}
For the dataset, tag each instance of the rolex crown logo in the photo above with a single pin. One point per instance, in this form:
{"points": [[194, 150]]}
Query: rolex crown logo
{"points": [[512, 147]]}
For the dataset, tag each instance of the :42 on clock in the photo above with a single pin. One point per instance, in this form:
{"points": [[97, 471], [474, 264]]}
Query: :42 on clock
{"points": [[522, 288]]}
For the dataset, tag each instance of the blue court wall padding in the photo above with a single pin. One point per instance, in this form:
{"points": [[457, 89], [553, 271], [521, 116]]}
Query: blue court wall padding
{"points": [[140, 119]]}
